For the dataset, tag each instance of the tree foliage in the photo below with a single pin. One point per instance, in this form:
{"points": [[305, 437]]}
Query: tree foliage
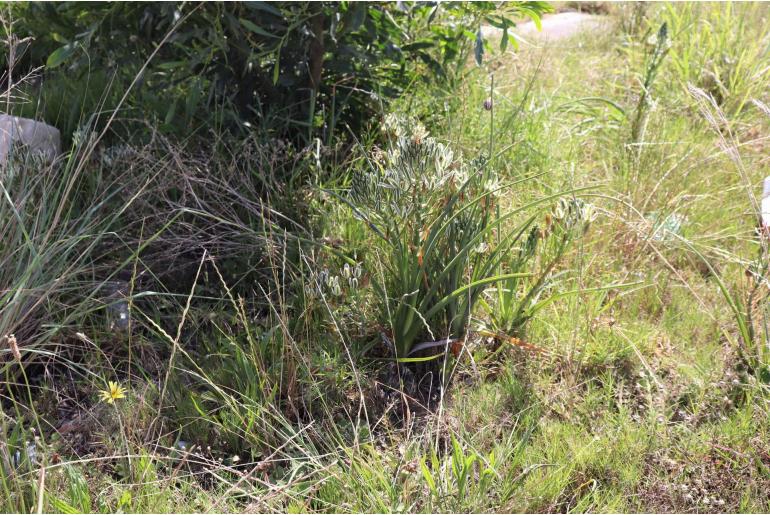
{"points": [[303, 67]]}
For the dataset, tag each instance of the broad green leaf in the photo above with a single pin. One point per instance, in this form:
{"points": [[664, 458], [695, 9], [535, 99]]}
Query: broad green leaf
{"points": [[60, 55], [256, 29]]}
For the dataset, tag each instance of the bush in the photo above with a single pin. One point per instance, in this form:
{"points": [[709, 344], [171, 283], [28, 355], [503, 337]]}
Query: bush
{"points": [[302, 68]]}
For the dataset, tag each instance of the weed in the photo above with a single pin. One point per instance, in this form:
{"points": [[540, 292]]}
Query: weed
{"points": [[660, 47], [193, 326]]}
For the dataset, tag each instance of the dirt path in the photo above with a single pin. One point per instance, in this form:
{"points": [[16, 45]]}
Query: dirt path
{"points": [[556, 27]]}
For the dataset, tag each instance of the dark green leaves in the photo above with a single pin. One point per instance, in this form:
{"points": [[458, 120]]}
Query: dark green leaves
{"points": [[256, 29], [253, 57], [61, 55]]}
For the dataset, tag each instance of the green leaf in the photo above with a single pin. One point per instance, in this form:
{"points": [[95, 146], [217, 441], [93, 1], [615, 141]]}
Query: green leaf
{"points": [[418, 45], [419, 360], [171, 112], [764, 375], [60, 55], [170, 65], [125, 500], [514, 41], [277, 67], [534, 15], [427, 475], [537, 21], [62, 506], [256, 29], [263, 6]]}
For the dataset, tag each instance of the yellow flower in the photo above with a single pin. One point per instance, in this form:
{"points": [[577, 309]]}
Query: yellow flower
{"points": [[114, 391]]}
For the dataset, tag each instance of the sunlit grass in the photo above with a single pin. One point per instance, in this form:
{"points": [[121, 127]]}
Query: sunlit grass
{"points": [[260, 377]]}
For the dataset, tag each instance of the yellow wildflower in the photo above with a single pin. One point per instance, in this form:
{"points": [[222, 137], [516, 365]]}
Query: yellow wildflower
{"points": [[113, 392]]}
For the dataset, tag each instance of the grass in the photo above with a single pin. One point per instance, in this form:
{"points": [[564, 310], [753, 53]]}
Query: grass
{"points": [[256, 372]]}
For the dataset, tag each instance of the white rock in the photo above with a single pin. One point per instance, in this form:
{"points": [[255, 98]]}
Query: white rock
{"points": [[36, 137]]}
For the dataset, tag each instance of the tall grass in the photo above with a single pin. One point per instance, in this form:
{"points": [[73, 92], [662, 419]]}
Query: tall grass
{"points": [[718, 48], [748, 303]]}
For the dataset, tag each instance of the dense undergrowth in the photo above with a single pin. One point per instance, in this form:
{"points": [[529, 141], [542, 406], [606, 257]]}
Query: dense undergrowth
{"points": [[538, 288]]}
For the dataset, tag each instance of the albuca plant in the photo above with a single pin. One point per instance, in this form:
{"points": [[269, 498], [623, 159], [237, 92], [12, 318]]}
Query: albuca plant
{"points": [[437, 217], [515, 300]]}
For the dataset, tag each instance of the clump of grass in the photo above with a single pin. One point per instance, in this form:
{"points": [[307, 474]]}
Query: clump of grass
{"points": [[749, 304], [54, 228]]}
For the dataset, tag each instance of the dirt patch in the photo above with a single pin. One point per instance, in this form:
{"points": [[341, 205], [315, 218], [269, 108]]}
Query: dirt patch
{"points": [[555, 27], [713, 483]]}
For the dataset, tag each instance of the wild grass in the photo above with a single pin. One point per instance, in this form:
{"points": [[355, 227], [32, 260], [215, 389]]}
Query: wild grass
{"points": [[708, 53], [259, 280]]}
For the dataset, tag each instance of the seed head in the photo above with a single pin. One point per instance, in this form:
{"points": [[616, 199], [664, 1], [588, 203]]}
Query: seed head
{"points": [[14, 346]]}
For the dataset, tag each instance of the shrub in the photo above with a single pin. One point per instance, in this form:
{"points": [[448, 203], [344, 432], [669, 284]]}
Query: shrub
{"points": [[303, 68]]}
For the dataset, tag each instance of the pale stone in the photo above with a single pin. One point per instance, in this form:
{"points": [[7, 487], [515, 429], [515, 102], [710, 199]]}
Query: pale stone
{"points": [[34, 137]]}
